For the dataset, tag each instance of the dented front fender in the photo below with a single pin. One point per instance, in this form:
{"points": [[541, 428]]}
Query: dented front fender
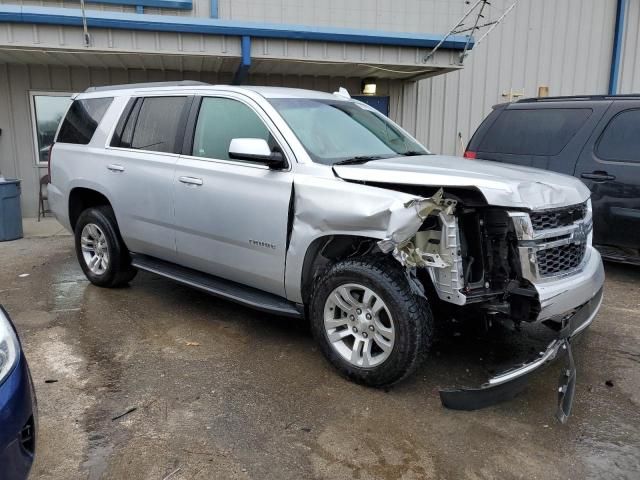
{"points": [[329, 206]]}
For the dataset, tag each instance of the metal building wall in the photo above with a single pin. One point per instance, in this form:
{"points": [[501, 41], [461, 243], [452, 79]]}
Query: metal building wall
{"points": [[565, 45], [630, 63], [392, 15], [201, 8]]}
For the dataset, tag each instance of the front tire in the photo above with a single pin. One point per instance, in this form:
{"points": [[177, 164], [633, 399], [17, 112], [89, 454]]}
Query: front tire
{"points": [[102, 254], [369, 323]]}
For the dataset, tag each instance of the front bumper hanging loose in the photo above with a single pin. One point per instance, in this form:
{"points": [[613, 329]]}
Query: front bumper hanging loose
{"points": [[509, 383]]}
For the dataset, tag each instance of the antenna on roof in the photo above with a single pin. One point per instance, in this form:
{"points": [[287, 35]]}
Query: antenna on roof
{"points": [[460, 27], [342, 92]]}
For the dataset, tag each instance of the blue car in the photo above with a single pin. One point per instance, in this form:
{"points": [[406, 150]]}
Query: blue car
{"points": [[17, 406]]}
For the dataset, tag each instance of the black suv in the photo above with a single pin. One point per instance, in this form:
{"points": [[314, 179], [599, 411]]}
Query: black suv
{"points": [[594, 138]]}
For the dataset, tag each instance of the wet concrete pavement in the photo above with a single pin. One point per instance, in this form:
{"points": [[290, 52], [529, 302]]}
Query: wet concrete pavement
{"points": [[221, 391]]}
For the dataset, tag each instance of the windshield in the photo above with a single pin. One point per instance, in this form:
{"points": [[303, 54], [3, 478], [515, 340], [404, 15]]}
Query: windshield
{"points": [[334, 131]]}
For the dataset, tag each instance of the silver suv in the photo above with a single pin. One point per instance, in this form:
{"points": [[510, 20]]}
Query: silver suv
{"points": [[314, 205]]}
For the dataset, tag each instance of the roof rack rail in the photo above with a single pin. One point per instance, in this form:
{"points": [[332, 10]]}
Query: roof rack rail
{"points": [[629, 96], [181, 83]]}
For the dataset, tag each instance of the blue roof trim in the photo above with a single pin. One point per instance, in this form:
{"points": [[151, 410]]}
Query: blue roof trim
{"points": [[616, 54], [174, 4], [170, 23]]}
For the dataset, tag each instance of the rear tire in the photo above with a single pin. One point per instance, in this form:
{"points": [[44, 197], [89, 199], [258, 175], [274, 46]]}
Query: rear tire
{"points": [[101, 252], [369, 323]]}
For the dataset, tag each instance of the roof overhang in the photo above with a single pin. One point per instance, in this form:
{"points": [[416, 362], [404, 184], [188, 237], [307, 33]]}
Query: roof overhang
{"points": [[231, 46]]}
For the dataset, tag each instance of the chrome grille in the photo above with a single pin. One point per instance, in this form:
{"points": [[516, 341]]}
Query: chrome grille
{"points": [[557, 217], [552, 242], [555, 260]]}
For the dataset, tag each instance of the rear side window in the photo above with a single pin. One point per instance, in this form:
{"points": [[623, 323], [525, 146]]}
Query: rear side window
{"points": [[152, 124], [621, 139], [534, 131], [82, 120]]}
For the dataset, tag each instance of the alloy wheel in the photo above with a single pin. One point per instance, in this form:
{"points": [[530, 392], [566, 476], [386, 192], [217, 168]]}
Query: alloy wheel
{"points": [[95, 251], [358, 325]]}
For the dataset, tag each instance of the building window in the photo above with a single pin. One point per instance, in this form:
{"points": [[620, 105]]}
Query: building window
{"points": [[47, 110]]}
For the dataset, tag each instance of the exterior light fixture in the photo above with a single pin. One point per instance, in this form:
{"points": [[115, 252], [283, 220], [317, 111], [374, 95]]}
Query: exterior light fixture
{"points": [[369, 86]]}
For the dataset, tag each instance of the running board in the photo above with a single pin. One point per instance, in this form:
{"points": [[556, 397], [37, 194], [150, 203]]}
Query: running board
{"points": [[219, 287]]}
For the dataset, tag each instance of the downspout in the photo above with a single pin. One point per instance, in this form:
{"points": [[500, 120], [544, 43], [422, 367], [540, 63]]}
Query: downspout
{"points": [[617, 47], [214, 9], [245, 62]]}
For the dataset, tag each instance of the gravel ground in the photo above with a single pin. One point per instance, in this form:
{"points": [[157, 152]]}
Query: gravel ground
{"points": [[221, 391]]}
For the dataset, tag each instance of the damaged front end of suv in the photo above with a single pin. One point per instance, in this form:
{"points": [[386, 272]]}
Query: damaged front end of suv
{"points": [[492, 259], [491, 263]]}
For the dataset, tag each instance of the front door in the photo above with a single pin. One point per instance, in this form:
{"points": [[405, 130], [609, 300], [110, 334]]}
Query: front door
{"points": [[231, 216], [610, 166]]}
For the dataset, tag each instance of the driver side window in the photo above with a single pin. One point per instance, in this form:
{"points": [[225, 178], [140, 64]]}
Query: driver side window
{"points": [[220, 120]]}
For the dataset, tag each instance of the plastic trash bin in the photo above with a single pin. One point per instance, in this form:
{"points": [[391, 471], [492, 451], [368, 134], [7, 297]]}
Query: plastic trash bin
{"points": [[10, 212]]}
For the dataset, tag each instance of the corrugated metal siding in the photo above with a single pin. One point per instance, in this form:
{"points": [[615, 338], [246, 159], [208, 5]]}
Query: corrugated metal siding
{"points": [[565, 45], [201, 8], [434, 16], [49, 36], [630, 64]]}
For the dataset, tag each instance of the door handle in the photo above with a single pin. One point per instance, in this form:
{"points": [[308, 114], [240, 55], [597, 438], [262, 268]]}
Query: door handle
{"points": [[191, 180], [598, 176], [114, 167]]}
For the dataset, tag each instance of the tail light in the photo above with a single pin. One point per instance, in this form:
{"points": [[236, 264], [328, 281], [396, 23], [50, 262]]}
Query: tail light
{"points": [[49, 162], [469, 154]]}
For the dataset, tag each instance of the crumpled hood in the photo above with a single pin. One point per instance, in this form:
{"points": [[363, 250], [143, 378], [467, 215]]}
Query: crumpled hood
{"points": [[501, 184]]}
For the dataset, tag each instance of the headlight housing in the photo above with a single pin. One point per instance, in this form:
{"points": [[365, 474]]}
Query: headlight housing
{"points": [[9, 346]]}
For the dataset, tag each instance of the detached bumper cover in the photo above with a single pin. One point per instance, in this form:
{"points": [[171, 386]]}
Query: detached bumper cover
{"points": [[506, 385]]}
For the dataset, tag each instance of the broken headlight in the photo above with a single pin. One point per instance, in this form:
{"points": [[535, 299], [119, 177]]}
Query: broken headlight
{"points": [[9, 346]]}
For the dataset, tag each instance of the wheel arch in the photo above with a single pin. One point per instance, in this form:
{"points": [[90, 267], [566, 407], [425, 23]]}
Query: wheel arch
{"points": [[81, 198], [326, 250]]}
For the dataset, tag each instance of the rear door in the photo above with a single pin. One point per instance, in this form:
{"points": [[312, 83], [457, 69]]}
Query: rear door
{"points": [[610, 166], [231, 215], [543, 134], [141, 162]]}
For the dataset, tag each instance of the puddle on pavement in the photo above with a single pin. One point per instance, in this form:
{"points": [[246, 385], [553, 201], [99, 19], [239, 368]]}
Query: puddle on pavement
{"points": [[67, 289], [97, 456]]}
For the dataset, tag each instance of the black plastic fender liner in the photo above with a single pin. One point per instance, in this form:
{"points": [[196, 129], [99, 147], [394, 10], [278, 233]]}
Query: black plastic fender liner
{"points": [[476, 398]]}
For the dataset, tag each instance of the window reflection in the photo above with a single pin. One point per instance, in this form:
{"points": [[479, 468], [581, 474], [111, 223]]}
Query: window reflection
{"points": [[48, 111]]}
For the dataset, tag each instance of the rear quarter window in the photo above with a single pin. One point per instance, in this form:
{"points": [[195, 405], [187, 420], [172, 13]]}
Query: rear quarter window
{"points": [[82, 120], [533, 131], [151, 124], [620, 141]]}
